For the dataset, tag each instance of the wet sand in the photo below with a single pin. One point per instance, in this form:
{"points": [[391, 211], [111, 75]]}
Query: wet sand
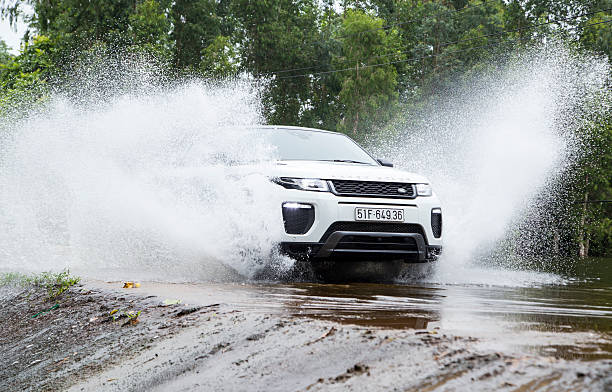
{"points": [[309, 336]]}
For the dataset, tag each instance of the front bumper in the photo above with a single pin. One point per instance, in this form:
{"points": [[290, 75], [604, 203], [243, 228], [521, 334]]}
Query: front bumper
{"points": [[335, 232], [368, 242]]}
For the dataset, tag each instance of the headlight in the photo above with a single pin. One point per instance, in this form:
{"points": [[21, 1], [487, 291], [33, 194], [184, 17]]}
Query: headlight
{"points": [[304, 184], [423, 189]]}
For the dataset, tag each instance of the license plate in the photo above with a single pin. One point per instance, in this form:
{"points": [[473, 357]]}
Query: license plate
{"points": [[379, 214]]}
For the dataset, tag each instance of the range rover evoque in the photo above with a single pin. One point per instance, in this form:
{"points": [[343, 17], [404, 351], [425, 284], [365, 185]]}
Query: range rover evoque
{"points": [[339, 202]]}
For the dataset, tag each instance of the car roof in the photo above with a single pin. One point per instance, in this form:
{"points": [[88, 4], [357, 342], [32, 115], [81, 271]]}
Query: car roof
{"points": [[294, 128]]}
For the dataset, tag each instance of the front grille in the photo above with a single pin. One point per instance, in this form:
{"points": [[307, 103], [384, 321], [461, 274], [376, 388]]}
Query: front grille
{"points": [[373, 189], [374, 227]]}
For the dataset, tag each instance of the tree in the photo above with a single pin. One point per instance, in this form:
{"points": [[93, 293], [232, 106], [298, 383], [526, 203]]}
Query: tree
{"points": [[368, 94], [102, 19], [282, 35], [77, 25], [597, 35], [219, 59], [594, 183], [150, 28], [384, 9], [196, 25], [24, 78], [594, 234], [5, 55]]}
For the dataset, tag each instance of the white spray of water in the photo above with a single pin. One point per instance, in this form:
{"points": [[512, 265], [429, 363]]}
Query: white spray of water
{"points": [[491, 148], [146, 184]]}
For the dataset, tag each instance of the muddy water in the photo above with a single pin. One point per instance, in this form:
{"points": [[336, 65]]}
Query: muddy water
{"points": [[570, 319]]}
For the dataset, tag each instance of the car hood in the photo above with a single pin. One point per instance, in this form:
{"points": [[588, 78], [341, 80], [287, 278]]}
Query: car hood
{"points": [[344, 171]]}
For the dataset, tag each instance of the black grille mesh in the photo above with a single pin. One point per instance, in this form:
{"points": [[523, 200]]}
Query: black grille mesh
{"points": [[377, 243], [436, 224], [372, 188], [298, 220], [374, 227]]}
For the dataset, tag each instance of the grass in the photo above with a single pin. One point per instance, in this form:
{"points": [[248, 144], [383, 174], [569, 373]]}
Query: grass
{"points": [[12, 278], [55, 283], [132, 316]]}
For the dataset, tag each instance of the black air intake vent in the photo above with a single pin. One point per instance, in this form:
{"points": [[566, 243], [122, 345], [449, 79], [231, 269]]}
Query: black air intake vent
{"points": [[373, 189], [298, 217], [410, 228], [436, 222], [373, 243]]}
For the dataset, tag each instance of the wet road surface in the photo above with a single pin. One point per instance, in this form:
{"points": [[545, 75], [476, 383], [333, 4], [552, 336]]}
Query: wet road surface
{"points": [[477, 328], [569, 320]]}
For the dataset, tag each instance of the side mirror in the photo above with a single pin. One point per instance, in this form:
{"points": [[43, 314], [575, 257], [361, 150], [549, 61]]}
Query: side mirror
{"points": [[384, 162]]}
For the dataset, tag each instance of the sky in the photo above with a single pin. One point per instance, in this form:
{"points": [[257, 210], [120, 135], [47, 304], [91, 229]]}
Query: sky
{"points": [[10, 36]]}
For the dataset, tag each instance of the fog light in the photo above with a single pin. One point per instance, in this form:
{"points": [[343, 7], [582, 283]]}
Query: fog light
{"points": [[436, 222], [298, 217]]}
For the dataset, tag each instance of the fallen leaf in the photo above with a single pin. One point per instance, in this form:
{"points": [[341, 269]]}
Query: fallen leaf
{"points": [[331, 331]]}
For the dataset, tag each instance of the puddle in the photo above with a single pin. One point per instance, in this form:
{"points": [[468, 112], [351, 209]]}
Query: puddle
{"points": [[572, 320]]}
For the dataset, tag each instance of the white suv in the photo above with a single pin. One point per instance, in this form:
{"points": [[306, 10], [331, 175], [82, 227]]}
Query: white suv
{"points": [[338, 201]]}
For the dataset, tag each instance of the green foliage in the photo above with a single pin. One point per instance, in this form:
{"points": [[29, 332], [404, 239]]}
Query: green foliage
{"points": [[91, 19], [595, 182], [131, 315], [598, 36], [150, 28], [196, 24], [5, 56], [280, 35], [219, 38], [55, 283], [600, 232], [369, 94], [219, 59], [23, 78], [11, 278]]}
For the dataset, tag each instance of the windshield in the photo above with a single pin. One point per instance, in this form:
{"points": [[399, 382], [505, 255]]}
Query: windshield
{"points": [[297, 144]]}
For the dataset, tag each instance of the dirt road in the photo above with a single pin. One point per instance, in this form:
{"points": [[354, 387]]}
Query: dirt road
{"points": [[269, 338]]}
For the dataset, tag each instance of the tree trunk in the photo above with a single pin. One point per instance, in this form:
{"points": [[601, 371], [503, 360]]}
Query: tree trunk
{"points": [[583, 245]]}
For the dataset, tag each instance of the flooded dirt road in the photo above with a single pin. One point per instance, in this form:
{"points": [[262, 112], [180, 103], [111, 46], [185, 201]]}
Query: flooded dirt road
{"points": [[555, 335], [571, 319]]}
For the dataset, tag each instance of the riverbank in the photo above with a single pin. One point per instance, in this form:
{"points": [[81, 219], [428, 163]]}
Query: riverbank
{"points": [[103, 337]]}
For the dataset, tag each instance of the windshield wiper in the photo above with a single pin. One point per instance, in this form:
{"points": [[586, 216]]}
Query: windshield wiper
{"points": [[343, 161]]}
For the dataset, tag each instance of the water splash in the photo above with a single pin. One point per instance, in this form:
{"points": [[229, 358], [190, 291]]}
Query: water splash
{"points": [[145, 182], [494, 146], [136, 175]]}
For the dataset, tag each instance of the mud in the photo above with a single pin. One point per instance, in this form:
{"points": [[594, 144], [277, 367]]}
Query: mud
{"points": [[49, 347], [299, 337]]}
